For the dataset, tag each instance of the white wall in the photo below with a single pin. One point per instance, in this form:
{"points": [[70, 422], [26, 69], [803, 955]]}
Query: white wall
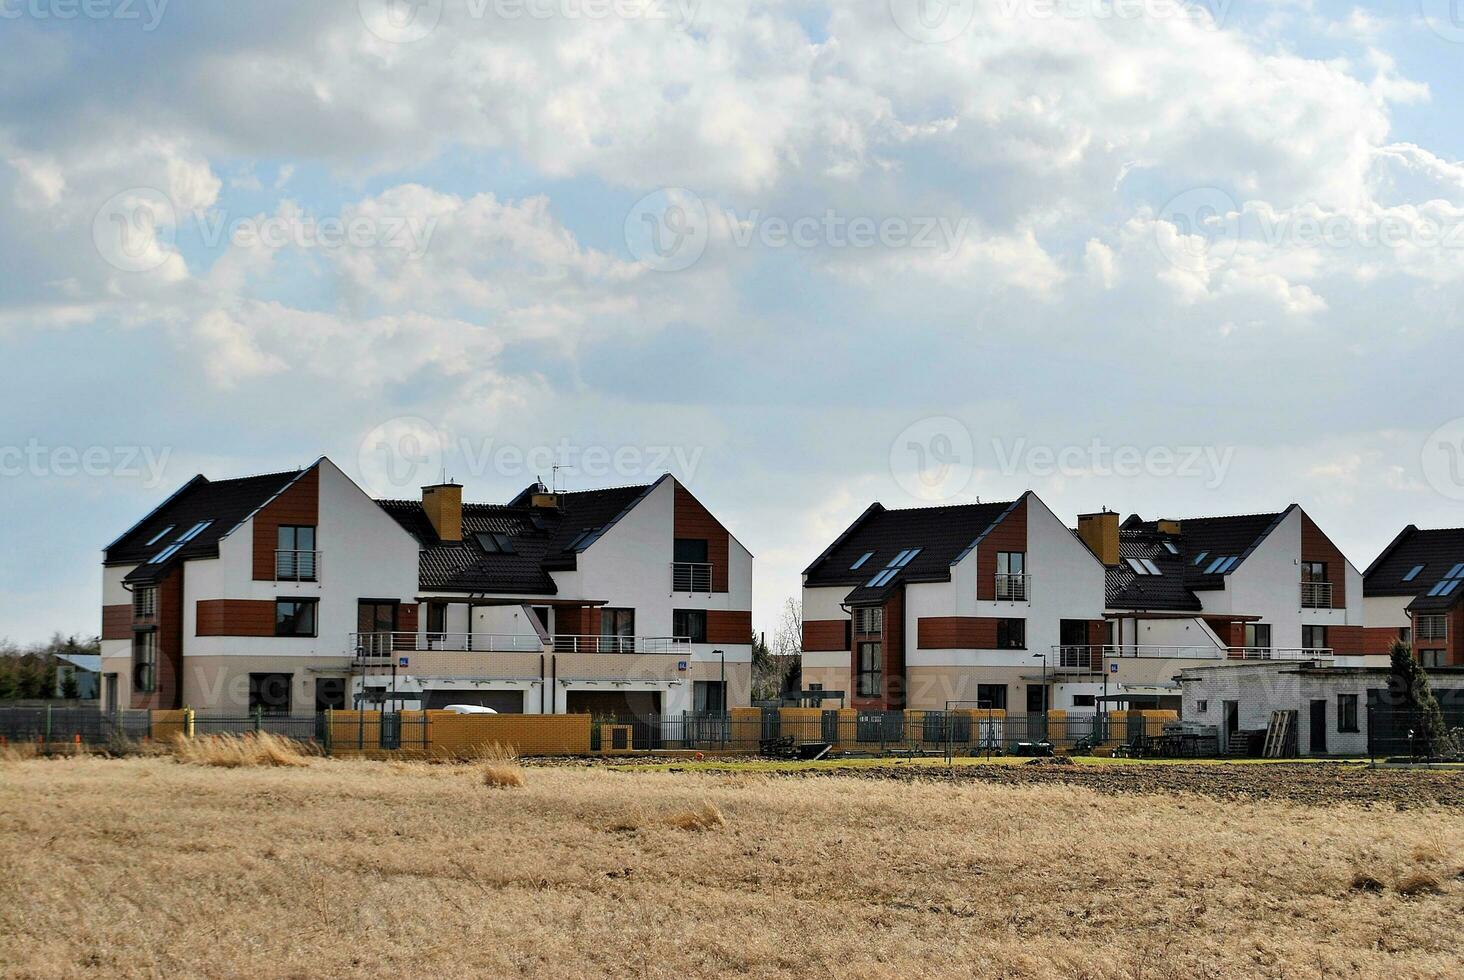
{"points": [[1388, 611]]}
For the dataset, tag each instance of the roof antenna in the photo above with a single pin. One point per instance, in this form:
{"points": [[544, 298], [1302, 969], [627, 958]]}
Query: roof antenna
{"points": [[555, 477]]}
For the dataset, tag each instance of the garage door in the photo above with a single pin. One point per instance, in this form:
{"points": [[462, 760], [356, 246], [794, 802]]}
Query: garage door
{"points": [[620, 705], [503, 702]]}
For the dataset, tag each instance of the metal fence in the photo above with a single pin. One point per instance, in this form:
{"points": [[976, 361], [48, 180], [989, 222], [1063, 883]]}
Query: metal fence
{"points": [[1395, 732], [52, 726]]}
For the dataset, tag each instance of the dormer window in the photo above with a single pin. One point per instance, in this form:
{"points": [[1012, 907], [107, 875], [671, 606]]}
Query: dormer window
{"points": [[496, 544]]}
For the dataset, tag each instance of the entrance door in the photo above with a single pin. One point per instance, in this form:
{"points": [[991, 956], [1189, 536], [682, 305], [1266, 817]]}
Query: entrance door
{"points": [[111, 694], [1232, 722], [1319, 728], [330, 694]]}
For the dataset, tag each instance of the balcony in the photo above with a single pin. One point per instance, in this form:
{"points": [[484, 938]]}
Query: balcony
{"points": [[384, 649], [1013, 588], [691, 578], [1316, 595], [297, 566], [1093, 656], [1279, 653]]}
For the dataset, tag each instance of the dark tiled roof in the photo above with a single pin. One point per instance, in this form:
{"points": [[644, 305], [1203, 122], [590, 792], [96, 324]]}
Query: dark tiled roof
{"points": [[224, 502], [1184, 574], [1437, 551], [543, 540], [942, 534]]}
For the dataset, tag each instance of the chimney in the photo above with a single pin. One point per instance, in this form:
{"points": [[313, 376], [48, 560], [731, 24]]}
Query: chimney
{"points": [[1171, 528], [444, 506], [544, 501], [1100, 533]]}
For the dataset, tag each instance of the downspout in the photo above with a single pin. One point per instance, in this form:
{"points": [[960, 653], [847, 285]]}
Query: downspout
{"points": [[542, 686]]}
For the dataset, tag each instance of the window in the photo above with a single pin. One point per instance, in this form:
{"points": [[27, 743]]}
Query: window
{"points": [[1414, 572], [871, 670], [376, 622], [709, 697], [194, 531], [495, 543], [145, 602], [1429, 659], [992, 696], [689, 624], [295, 553], [160, 536], [436, 619], [1202, 706], [860, 563], [1222, 565], [883, 578], [1314, 571], [1011, 576], [1011, 634], [1432, 627], [295, 617], [270, 693], [1036, 699], [145, 662], [1170, 547], [1143, 566], [690, 551], [1347, 713], [1085, 700], [869, 620], [1451, 582], [619, 625], [1200, 558], [1314, 638], [1257, 636]]}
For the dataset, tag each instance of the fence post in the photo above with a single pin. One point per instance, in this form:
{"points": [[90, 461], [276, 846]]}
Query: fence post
{"points": [[188, 722], [48, 725], [258, 718], [329, 728]]}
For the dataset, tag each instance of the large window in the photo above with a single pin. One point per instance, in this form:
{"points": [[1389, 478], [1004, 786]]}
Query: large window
{"points": [[1429, 659], [871, 670], [1347, 713], [295, 617], [1432, 627], [1314, 638], [617, 627], [1011, 576], [145, 661], [869, 620], [295, 555], [689, 624], [709, 697], [991, 696], [145, 602], [269, 693], [1257, 636], [1011, 634]]}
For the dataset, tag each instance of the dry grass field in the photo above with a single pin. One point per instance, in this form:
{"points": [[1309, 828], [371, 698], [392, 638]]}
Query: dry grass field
{"points": [[155, 867]]}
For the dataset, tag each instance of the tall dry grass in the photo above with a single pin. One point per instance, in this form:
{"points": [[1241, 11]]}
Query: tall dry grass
{"points": [[249, 750], [141, 867], [500, 766]]}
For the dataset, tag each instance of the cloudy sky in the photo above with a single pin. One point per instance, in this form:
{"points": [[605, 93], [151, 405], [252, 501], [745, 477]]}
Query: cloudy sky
{"points": [[1179, 258]]}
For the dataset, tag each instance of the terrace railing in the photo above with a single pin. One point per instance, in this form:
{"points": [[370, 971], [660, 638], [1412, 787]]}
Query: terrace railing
{"points": [[1316, 595], [691, 577]]}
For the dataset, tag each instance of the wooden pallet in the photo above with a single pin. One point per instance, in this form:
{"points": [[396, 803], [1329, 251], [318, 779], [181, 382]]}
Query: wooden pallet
{"points": [[1281, 735]]}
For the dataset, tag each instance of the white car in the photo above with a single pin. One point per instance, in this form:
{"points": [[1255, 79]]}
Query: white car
{"points": [[469, 709]]}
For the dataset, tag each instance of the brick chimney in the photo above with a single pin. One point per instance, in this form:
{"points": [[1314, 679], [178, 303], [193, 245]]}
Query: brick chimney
{"points": [[444, 506], [1100, 533], [1171, 528]]}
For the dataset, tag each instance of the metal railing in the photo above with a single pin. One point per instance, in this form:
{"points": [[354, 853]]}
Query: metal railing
{"points": [[1013, 588], [297, 566], [1316, 595], [668, 645], [1150, 652], [1081, 657], [1279, 653], [691, 577], [1431, 627]]}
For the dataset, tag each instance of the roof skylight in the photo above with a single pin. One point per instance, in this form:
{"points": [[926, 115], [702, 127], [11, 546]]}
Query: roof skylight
{"points": [[1417, 571], [160, 535], [860, 563]]}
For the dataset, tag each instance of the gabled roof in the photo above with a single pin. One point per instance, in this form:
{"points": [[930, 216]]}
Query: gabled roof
{"points": [[1397, 571], [940, 536], [542, 539], [225, 504], [1200, 543]]}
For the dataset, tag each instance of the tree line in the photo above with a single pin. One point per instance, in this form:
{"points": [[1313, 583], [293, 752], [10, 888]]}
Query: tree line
{"points": [[28, 673]]}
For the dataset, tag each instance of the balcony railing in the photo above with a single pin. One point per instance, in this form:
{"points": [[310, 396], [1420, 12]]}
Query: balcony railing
{"points": [[1083, 657], [1279, 653], [297, 566], [1013, 588], [691, 577], [1086, 656], [387, 646], [1316, 595]]}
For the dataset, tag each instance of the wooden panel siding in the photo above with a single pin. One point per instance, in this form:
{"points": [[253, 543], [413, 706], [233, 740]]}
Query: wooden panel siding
{"points": [[1009, 535], [956, 633], [117, 622], [729, 627], [826, 635], [298, 504], [695, 522], [236, 617], [1316, 546], [169, 693]]}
